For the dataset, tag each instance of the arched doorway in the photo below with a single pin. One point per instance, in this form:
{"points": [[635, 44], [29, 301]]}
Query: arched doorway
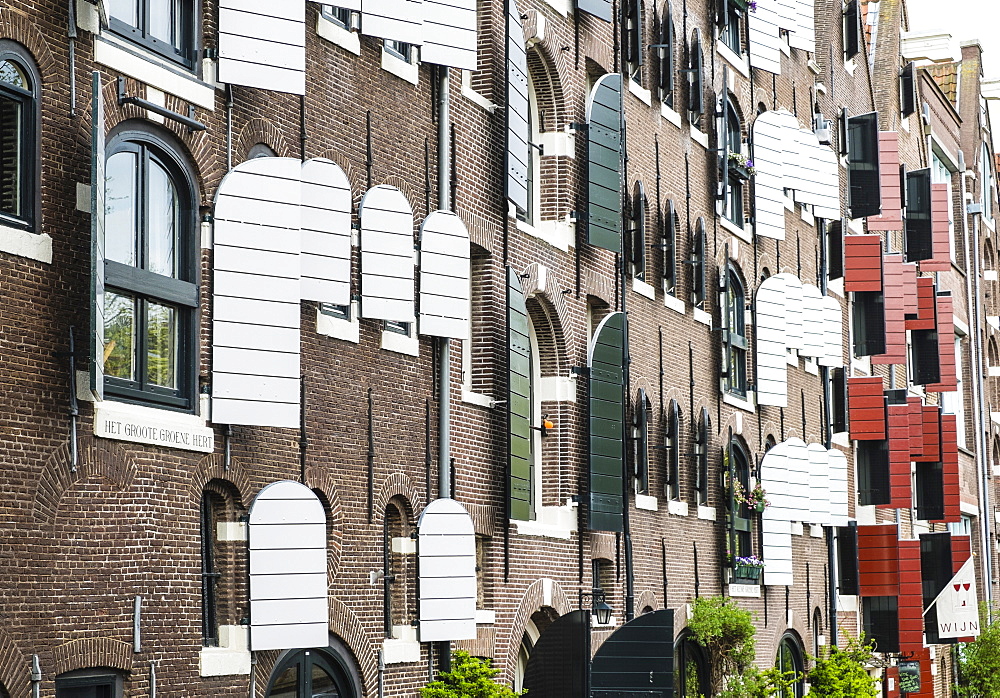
{"points": [[315, 673], [690, 669], [789, 661]]}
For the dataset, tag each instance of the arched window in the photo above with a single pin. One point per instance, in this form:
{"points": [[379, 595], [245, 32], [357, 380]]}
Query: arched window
{"points": [[741, 539], [633, 39], [789, 663], [261, 150], [735, 168], [670, 232], [399, 567], [19, 138], [314, 673], [637, 232], [691, 677], [151, 293], [672, 442], [730, 16], [734, 334], [698, 264], [640, 427], [701, 446], [532, 214], [818, 639], [220, 538], [665, 54], [163, 26]]}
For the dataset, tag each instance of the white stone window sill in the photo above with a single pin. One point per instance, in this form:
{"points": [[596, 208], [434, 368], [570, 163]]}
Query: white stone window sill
{"points": [[404, 70], [485, 617], [646, 503], [848, 604], [551, 522], [699, 136], [677, 508], [403, 647], [559, 234], [836, 287], [792, 357], [806, 214], [473, 398], [557, 389], [670, 115], [643, 289], [230, 658], [640, 92], [562, 7], [707, 513], [560, 144], [736, 230], [746, 405], [849, 66], [473, 96], [122, 421], [674, 303], [789, 201], [337, 35], [131, 60], [702, 317], [401, 343], [796, 528], [810, 366], [36, 246], [339, 328], [738, 63], [842, 438], [990, 275], [816, 531]]}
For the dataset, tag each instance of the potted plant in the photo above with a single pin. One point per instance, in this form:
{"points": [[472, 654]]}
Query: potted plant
{"points": [[755, 499], [741, 166], [748, 568]]}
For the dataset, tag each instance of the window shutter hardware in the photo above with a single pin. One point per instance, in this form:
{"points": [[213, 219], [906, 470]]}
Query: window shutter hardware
{"points": [[189, 120]]}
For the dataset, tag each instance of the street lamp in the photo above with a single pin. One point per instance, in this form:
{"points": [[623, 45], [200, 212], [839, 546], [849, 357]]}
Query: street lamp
{"points": [[600, 608]]}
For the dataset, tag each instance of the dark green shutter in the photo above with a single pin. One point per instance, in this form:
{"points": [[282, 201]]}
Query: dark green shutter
{"points": [[637, 660], [864, 184], [638, 232], [908, 89], [669, 242], [640, 419], [725, 317], [701, 451], [852, 29], [604, 164], [838, 396], [917, 237], [97, 195], [835, 250], [518, 401], [607, 423], [699, 268], [696, 84], [722, 146], [847, 560], [722, 14], [666, 54]]}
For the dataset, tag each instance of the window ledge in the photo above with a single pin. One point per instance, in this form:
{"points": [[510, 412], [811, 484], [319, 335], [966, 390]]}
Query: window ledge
{"points": [[557, 144], [836, 287], [842, 438], [557, 389], [337, 35], [559, 234], [148, 425], [989, 275], [402, 649], [707, 513], [670, 115], [485, 616], [698, 136], [646, 503], [36, 246], [643, 289], [123, 58], [849, 66], [473, 398], [734, 401], [551, 522], [815, 531], [736, 230], [674, 303], [470, 94], [561, 6], [848, 604], [339, 328], [702, 317], [677, 507], [231, 658], [797, 529], [401, 69], [400, 343], [739, 63], [641, 93]]}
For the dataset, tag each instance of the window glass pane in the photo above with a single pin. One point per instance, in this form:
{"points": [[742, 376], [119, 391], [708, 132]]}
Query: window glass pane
{"points": [[12, 74], [163, 210], [119, 211], [161, 356], [125, 10], [164, 21], [100, 691], [10, 155], [119, 335], [323, 685], [286, 685]]}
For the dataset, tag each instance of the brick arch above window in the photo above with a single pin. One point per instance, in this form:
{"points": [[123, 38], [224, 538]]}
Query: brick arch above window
{"points": [[92, 652], [258, 130], [541, 285], [214, 467]]}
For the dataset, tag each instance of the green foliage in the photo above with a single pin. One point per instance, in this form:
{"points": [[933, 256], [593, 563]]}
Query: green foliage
{"points": [[726, 631], [843, 673], [979, 661], [754, 683], [470, 677]]}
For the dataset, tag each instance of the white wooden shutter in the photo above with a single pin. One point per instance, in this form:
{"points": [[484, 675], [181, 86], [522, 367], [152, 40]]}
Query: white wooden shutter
{"points": [[98, 203], [386, 255], [263, 44], [774, 480], [777, 549], [818, 176], [776, 519], [792, 149], [772, 369], [798, 479], [838, 487], [450, 33], [813, 325], [255, 318], [398, 20], [819, 484], [444, 276], [803, 35], [787, 14], [768, 182], [446, 547], [765, 42], [326, 233], [287, 540], [793, 310], [833, 333], [517, 111]]}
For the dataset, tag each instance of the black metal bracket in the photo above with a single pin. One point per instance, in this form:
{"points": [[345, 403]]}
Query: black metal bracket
{"points": [[580, 370], [189, 120]]}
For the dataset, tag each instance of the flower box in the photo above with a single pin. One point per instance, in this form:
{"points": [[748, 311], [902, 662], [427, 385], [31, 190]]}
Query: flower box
{"points": [[750, 573]]}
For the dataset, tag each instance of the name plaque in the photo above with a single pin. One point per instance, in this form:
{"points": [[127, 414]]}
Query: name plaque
{"points": [[747, 590], [154, 427]]}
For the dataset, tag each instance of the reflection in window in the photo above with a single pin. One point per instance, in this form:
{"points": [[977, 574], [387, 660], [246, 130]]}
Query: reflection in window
{"points": [[163, 26], [17, 143], [789, 663], [736, 341]]}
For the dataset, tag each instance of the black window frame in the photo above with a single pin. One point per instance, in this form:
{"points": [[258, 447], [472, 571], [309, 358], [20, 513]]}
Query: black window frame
{"points": [[696, 79], [181, 293], [852, 29], [908, 89], [925, 358], [398, 327], [873, 472], [733, 306], [211, 504], [864, 185], [868, 322], [699, 264], [928, 490], [701, 449], [795, 653], [730, 22], [848, 581], [742, 528], [881, 622], [672, 451], [341, 16], [184, 55], [96, 678], [835, 250], [918, 241], [399, 49], [304, 660], [29, 138], [632, 40], [338, 312], [637, 231], [688, 654], [733, 192], [840, 415], [670, 225], [665, 52], [640, 427]]}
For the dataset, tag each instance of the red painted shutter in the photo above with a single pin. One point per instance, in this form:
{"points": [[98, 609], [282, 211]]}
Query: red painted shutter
{"points": [[930, 435], [940, 244], [878, 563], [893, 292], [899, 457], [888, 167], [946, 346], [910, 308], [866, 406], [862, 263], [926, 305], [911, 597], [949, 467]]}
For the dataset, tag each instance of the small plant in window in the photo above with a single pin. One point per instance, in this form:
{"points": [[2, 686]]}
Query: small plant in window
{"points": [[756, 498], [748, 567], [741, 165], [749, 561]]}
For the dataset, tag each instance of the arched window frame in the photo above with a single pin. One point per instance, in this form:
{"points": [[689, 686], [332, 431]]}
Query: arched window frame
{"points": [[740, 529], [637, 231], [672, 450], [701, 450], [670, 228], [734, 333], [398, 548], [640, 439], [179, 292], [734, 171], [789, 658], [632, 41], [346, 678], [532, 215], [696, 79], [699, 265], [27, 102], [665, 52], [691, 669]]}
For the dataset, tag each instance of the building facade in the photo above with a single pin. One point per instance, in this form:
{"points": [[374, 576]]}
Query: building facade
{"points": [[335, 337]]}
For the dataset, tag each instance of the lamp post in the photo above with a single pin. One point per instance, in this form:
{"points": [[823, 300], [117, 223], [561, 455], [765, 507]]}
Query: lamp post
{"points": [[600, 609]]}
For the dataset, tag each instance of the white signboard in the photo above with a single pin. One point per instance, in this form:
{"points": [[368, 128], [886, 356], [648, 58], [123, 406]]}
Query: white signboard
{"points": [[149, 426], [957, 605]]}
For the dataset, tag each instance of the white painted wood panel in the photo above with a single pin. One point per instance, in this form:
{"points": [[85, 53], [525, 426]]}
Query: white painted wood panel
{"points": [[793, 311], [787, 14], [517, 110], [256, 257], [813, 330], [326, 233], [446, 547], [399, 20], [819, 484], [444, 276], [774, 480], [798, 479], [765, 42], [803, 35], [387, 287], [291, 512], [772, 378], [263, 44], [450, 33], [818, 172], [833, 333], [768, 160], [777, 551], [838, 487]]}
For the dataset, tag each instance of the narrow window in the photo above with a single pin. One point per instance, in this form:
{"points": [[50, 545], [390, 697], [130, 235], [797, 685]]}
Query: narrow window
{"points": [[847, 560], [640, 437], [734, 334], [212, 508], [868, 321], [696, 80], [340, 16], [917, 222], [665, 55], [954, 402], [730, 17], [908, 89], [670, 226], [18, 138], [852, 29], [873, 472], [701, 457], [698, 265], [881, 621], [400, 49], [736, 167], [864, 185], [397, 560], [741, 539], [986, 182], [835, 250], [637, 232], [929, 487], [672, 442], [633, 39], [341, 312], [790, 665]]}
